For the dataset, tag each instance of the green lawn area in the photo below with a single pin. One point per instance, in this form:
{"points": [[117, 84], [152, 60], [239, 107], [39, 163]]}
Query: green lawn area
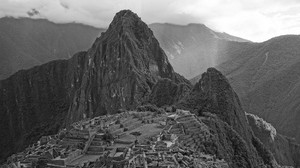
{"points": [[147, 130]]}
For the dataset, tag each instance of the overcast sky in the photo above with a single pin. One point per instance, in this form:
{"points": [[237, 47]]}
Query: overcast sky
{"points": [[256, 20]]}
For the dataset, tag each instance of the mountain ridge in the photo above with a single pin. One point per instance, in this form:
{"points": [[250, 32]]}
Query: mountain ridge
{"points": [[268, 81], [266, 78], [192, 48], [118, 71], [215, 101], [41, 46], [28, 42]]}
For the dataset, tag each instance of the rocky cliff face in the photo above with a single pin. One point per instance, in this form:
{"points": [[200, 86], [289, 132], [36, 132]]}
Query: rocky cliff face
{"points": [[118, 71], [215, 101], [35, 102], [121, 68], [166, 92], [285, 150]]}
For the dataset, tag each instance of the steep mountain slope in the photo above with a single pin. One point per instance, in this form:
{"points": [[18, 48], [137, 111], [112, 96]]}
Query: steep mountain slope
{"points": [[267, 78], [167, 92], [28, 42], [121, 68], [118, 71], [192, 48], [218, 106], [284, 149]]}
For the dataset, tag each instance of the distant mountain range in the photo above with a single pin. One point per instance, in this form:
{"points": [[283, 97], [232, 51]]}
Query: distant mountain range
{"points": [[266, 76], [192, 48], [126, 67], [29, 42]]}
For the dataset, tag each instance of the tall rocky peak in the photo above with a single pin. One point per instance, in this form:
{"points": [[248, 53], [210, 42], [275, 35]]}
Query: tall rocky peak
{"points": [[136, 36], [118, 71], [219, 107], [214, 94], [121, 68], [285, 149]]}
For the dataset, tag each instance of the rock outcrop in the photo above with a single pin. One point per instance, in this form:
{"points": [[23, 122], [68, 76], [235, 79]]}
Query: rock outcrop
{"points": [[118, 71], [214, 94], [121, 68], [285, 150], [218, 106]]}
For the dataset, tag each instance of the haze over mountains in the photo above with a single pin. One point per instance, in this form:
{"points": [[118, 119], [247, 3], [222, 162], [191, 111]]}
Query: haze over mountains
{"points": [[127, 66], [29, 42], [192, 48], [266, 77]]}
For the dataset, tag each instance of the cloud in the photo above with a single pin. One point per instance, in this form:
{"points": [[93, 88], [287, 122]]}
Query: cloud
{"points": [[257, 20], [33, 12]]}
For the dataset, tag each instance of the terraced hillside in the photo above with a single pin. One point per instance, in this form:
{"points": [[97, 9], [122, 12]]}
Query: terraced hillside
{"points": [[106, 146]]}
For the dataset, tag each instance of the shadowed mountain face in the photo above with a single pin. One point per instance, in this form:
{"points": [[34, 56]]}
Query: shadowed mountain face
{"points": [[35, 102], [167, 92], [27, 42], [218, 106], [285, 150], [118, 71], [266, 76], [121, 68], [193, 48]]}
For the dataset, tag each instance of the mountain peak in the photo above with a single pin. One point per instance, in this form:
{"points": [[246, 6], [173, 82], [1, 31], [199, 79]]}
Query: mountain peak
{"points": [[126, 19], [126, 13], [127, 61], [128, 25], [125, 16], [119, 71], [212, 78], [214, 94]]}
